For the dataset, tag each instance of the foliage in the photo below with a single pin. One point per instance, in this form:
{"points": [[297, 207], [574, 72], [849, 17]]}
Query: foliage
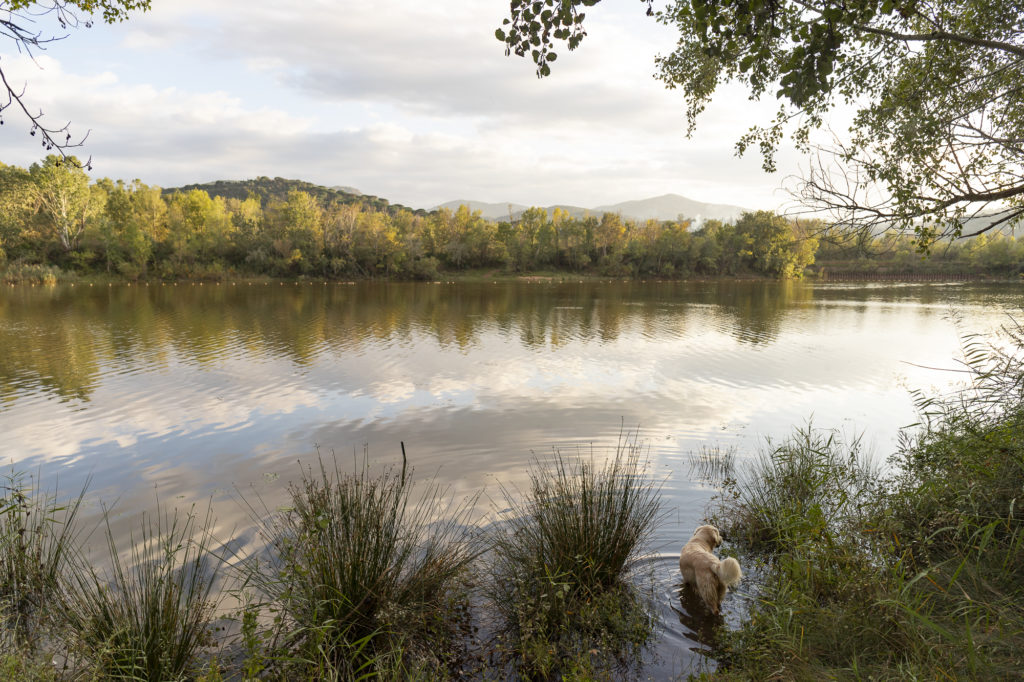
{"points": [[61, 191], [936, 137], [561, 561], [915, 575]]}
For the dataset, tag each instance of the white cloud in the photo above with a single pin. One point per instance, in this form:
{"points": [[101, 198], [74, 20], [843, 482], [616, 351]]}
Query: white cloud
{"points": [[415, 102]]}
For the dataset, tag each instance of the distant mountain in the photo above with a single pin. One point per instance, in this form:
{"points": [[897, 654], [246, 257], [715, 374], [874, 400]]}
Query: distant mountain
{"points": [[672, 206], [489, 211], [276, 189], [665, 207]]}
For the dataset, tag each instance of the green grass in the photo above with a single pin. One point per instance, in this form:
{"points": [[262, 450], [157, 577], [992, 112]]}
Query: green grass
{"points": [[917, 574], [368, 580], [560, 565], [38, 539], [149, 616]]}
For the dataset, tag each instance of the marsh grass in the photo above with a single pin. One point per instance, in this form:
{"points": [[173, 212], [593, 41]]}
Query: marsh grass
{"points": [[367, 579], [38, 539], [714, 466], [148, 617], [915, 575], [811, 484], [560, 564]]}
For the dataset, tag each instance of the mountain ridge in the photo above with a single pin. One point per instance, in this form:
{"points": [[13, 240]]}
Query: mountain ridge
{"points": [[663, 207]]}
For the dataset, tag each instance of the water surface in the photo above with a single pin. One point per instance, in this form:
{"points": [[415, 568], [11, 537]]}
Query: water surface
{"points": [[187, 392]]}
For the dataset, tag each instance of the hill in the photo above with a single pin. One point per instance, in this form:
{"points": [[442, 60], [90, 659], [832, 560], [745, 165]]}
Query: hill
{"points": [[489, 211], [672, 206], [276, 189]]}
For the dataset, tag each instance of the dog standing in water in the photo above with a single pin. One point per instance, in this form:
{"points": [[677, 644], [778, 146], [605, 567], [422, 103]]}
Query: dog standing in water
{"points": [[702, 569]]}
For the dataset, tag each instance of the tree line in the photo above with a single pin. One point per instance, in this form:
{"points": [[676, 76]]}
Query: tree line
{"points": [[52, 215]]}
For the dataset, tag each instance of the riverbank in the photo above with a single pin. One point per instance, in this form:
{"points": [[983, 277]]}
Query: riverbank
{"points": [[46, 275], [913, 574]]}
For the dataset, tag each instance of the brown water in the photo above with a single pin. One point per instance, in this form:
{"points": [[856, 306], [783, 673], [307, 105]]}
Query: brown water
{"points": [[185, 392]]}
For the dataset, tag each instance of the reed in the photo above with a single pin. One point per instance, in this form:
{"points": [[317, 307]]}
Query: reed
{"points": [[148, 617], [38, 539], [368, 578], [560, 563]]}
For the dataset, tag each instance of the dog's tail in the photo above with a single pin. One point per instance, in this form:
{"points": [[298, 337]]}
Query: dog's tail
{"points": [[728, 571]]}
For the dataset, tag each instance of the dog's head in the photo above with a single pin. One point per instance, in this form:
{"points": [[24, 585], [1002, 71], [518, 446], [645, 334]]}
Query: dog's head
{"points": [[708, 534]]}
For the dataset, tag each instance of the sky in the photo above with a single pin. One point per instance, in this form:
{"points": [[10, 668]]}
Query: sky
{"points": [[408, 100]]}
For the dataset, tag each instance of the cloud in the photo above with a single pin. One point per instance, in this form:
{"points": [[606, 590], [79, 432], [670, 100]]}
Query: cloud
{"points": [[414, 102]]}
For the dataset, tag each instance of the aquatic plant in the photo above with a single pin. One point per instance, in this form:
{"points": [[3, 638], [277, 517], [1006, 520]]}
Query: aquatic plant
{"points": [[38, 539], [148, 617], [367, 578], [919, 575], [561, 561]]}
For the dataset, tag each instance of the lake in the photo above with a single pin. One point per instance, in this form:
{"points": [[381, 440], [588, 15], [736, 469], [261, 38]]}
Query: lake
{"points": [[193, 392]]}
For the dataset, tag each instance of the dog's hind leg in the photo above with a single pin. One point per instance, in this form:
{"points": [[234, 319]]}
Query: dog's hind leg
{"points": [[710, 589]]}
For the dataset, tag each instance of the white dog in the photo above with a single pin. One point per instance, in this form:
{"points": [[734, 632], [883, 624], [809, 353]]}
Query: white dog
{"points": [[702, 569]]}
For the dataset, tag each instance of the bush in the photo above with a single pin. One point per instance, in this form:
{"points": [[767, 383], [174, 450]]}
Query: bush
{"points": [[28, 273]]}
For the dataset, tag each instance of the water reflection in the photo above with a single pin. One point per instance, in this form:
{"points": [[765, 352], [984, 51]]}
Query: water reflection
{"points": [[188, 391], [61, 341]]}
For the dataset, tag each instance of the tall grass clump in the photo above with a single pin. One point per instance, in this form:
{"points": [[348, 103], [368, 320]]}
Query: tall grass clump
{"points": [[38, 536], [148, 616], [561, 564], [367, 579], [31, 273], [813, 483], [917, 575]]}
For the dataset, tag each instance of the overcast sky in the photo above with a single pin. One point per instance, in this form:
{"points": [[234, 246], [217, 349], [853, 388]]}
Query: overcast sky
{"points": [[409, 100]]}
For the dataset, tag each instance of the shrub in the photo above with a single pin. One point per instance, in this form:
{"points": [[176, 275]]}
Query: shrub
{"points": [[28, 273]]}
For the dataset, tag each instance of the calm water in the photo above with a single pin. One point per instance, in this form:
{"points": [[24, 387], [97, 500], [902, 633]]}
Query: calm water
{"points": [[187, 392]]}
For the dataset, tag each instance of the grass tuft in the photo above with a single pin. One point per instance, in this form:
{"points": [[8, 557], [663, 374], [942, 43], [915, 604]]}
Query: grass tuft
{"points": [[38, 539], [369, 581], [149, 617], [915, 575], [560, 565]]}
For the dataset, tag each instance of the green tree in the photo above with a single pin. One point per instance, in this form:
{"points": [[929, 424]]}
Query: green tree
{"points": [[20, 25], [61, 192], [200, 228], [16, 207], [296, 228], [121, 228], [772, 246], [938, 132]]}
